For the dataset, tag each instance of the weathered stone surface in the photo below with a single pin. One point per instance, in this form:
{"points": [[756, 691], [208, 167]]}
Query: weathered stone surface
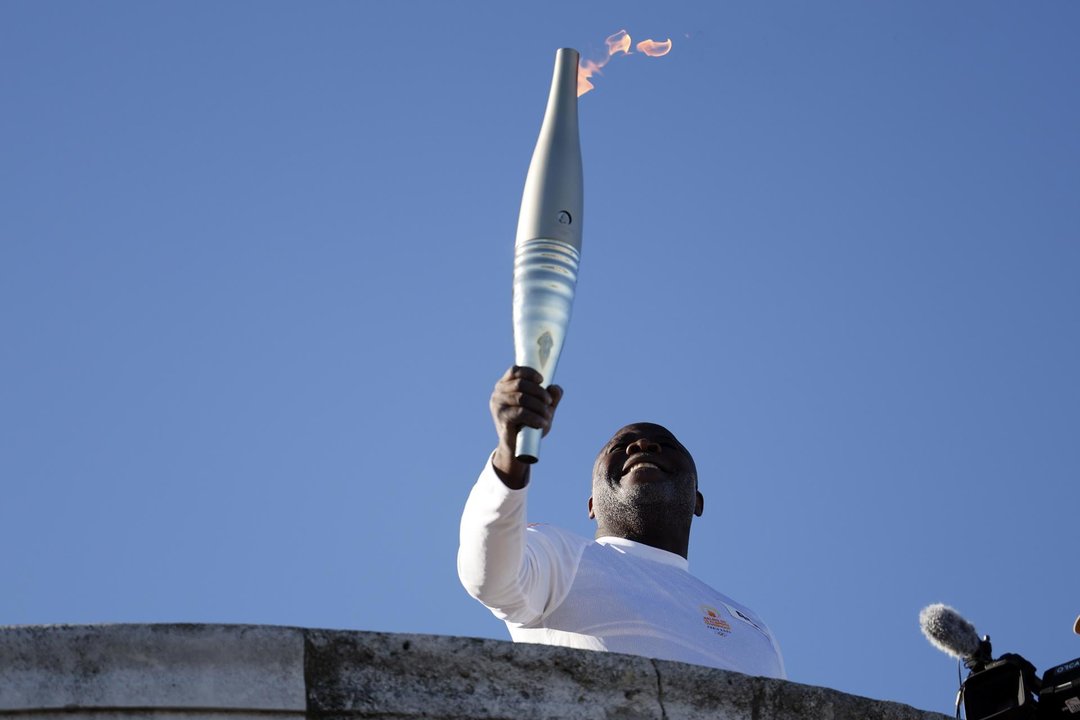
{"points": [[691, 692], [225, 667], [366, 675], [221, 672], [151, 714]]}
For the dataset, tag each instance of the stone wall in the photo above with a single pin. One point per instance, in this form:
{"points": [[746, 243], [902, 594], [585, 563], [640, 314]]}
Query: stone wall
{"points": [[181, 672]]}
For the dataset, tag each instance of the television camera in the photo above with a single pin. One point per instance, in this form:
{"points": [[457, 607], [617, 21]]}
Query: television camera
{"points": [[1006, 688]]}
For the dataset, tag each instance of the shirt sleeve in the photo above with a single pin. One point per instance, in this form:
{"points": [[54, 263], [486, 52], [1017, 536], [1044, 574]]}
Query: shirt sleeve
{"points": [[521, 574]]}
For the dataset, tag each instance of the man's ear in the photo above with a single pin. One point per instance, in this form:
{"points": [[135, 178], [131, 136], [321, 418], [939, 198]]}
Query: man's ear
{"points": [[592, 515], [699, 506]]}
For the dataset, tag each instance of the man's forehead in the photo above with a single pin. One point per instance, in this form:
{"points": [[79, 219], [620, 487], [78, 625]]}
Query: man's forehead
{"points": [[633, 431]]}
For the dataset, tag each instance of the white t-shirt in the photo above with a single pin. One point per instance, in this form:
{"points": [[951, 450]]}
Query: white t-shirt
{"points": [[553, 587]]}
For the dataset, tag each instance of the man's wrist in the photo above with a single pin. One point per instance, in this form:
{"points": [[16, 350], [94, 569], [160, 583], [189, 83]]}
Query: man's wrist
{"points": [[513, 473]]}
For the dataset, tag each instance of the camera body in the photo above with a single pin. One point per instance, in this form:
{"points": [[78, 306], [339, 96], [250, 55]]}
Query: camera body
{"points": [[1009, 689], [1060, 694]]}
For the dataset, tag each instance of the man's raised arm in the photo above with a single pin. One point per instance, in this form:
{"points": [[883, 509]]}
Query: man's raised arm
{"points": [[495, 564], [519, 400]]}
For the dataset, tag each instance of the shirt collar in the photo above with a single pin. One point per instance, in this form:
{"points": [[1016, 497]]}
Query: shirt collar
{"points": [[641, 550]]}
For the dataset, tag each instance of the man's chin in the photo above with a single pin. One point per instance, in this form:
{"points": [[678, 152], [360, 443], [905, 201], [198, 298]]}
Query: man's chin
{"points": [[648, 493], [645, 475]]}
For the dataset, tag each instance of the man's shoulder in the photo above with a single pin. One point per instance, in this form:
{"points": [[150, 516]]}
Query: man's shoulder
{"points": [[565, 541], [550, 530]]}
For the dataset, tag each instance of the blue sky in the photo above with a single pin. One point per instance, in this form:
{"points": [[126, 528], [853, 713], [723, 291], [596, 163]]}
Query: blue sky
{"points": [[255, 265]]}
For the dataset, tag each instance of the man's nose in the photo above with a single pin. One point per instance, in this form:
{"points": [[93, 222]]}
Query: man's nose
{"points": [[642, 445]]}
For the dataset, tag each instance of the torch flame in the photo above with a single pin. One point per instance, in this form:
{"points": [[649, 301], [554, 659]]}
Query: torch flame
{"points": [[620, 42], [585, 70], [653, 48]]}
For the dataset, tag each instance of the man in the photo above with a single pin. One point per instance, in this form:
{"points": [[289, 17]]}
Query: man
{"points": [[628, 591]]}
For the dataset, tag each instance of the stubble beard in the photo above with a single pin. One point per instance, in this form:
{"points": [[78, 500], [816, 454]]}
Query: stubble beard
{"points": [[643, 509]]}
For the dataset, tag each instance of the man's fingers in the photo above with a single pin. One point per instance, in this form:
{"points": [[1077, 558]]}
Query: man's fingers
{"points": [[514, 400], [519, 400], [556, 393], [520, 372], [533, 403], [511, 387], [518, 417]]}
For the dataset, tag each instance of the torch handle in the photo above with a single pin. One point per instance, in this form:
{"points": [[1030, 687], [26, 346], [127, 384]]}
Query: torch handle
{"points": [[527, 449]]}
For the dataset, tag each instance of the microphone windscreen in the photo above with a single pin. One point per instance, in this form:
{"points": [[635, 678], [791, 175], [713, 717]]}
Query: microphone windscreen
{"points": [[948, 631]]}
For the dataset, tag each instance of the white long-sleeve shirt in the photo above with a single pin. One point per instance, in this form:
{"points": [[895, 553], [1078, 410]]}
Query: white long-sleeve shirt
{"points": [[553, 587]]}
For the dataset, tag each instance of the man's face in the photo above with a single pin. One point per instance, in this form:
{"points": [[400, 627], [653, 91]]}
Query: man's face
{"points": [[642, 476]]}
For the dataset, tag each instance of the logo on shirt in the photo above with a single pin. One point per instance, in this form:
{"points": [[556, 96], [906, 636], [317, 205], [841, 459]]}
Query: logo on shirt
{"points": [[711, 617]]}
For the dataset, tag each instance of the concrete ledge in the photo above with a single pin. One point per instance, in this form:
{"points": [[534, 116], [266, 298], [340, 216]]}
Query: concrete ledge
{"points": [[162, 672], [226, 668]]}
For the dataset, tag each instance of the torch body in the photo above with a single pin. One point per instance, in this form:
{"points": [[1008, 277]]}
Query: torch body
{"points": [[548, 244]]}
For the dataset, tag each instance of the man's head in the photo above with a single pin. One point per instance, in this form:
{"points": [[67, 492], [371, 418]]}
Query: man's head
{"points": [[645, 488]]}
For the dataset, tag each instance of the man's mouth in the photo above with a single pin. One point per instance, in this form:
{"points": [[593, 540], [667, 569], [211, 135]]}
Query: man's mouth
{"points": [[638, 464]]}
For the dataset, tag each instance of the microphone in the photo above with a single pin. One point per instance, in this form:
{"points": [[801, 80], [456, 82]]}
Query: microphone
{"points": [[948, 631]]}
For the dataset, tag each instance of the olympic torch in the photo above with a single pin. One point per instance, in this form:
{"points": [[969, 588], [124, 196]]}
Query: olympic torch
{"points": [[548, 244]]}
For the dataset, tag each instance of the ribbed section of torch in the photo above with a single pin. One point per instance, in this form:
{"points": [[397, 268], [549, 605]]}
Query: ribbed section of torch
{"points": [[545, 276]]}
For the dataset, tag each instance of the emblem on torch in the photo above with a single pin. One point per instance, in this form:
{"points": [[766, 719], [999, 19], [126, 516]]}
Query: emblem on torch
{"points": [[548, 244]]}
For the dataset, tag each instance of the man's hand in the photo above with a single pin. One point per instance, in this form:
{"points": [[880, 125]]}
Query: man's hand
{"points": [[519, 401]]}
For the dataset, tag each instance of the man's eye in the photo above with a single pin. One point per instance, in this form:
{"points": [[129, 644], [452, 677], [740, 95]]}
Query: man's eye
{"points": [[615, 449]]}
